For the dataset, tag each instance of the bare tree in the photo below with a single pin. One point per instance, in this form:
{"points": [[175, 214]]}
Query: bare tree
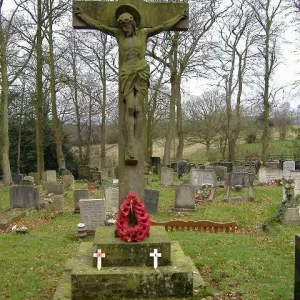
{"points": [[267, 14], [8, 30], [182, 55], [205, 118]]}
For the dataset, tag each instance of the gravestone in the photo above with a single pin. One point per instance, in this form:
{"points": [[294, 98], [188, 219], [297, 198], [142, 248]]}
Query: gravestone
{"points": [[291, 217], [240, 181], [167, 176], [35, 175], [202, 177], [95, 176], [68, 181], [24, 196], [287, 167], [83, 172], [151, 200], [266, 175], [184, 198], [49, 176], [55, 188], [221, 173], [17, 178], [58, 204], [111, 199], [92, 213], [27, 180], [80, 194], [296, 176]]}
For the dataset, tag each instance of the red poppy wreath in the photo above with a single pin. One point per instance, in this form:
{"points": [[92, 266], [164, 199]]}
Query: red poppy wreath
{"points": [[140, 231]]}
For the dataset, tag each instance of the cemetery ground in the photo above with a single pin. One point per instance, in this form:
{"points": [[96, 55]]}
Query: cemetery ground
{"points": [[256, 262]]}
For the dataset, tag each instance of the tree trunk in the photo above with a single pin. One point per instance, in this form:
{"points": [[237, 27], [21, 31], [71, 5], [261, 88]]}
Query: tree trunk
{"points": [[179, 121], [4, 111], [39, 94], [56, 123]]}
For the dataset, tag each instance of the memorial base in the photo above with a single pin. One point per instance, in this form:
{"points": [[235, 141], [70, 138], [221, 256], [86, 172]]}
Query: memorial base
{"points": [[82, 280]]}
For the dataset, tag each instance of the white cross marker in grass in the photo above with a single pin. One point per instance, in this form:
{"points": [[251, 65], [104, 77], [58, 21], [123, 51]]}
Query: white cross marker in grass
{"points": [[99, 256], [155, 256]]}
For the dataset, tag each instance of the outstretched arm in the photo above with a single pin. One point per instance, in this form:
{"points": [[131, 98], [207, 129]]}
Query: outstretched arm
{"points": [[94, 23], [168, 24]]}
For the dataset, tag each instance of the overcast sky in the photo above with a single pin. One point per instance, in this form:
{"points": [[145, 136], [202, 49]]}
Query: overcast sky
{"points": [[286, 72]]}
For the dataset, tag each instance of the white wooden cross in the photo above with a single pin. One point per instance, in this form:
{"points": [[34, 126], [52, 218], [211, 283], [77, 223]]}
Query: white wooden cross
{"points": [[155, 256], [99, 256]]}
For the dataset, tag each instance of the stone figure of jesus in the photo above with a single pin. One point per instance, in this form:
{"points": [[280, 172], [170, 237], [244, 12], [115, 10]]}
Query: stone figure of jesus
{"points": [[134, 71]]}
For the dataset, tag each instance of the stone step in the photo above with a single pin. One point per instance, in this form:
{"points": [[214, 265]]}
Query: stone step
{"points": [[175, 280], [119, 253]]}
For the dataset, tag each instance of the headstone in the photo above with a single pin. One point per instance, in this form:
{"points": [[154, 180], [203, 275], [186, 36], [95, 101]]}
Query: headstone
{"points": [[167, 176], [68, 181], [95, 176], [272, 164], [57, 204], [151, 201], [92, 213], [35, 175], [291, 217], [221, 173], [112, 199], [242, 179], [184, 198], [266, 175], [296, 176], [287, 167], [27, 180], [24, 196], [55, 188], [17, 178], [50, 176], [198, 178], [83, 172], [80, 194]]}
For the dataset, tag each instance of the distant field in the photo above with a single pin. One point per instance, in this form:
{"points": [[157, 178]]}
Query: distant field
{"points": [[196, 152]]}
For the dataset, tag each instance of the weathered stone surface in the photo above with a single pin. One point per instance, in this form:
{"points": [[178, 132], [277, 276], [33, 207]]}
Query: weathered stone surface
{"points": [[92, 213], [119, 253], [175, 280], [80, 194], [24, 196], [184, 198]]}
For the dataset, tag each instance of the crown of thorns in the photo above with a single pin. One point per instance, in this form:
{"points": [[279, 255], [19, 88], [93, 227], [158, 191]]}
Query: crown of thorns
{"points": [[128, 12]]}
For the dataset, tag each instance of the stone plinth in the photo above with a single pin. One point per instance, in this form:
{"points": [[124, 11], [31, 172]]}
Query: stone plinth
{"points": [[119, 253], [88, 283]]}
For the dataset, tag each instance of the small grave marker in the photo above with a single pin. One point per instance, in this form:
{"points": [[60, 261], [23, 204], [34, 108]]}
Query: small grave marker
{"points": [[155, 256], [99, 255]]}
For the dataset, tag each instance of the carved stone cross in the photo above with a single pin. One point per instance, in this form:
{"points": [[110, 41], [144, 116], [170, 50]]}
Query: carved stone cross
{"points": [[131, 23], [152, 13], [99, 256], [155, 256]]}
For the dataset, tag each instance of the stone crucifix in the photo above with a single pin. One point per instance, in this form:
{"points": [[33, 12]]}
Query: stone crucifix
{"points": [[131, 23]]}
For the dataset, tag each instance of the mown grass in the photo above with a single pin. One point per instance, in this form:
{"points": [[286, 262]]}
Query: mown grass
{"points": [[250, 264]]}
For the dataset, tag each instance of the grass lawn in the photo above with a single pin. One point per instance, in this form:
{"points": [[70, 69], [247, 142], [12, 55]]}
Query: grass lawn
{"points": [[251, 264]]}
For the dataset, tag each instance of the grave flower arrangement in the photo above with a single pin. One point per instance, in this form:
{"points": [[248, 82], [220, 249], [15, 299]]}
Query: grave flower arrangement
{"points": [[137, 233]]}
